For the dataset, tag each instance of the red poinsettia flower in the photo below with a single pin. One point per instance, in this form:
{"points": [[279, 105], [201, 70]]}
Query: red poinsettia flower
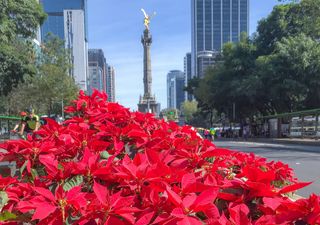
{"points": [[54, 208], [109, 209], [107, 165]]}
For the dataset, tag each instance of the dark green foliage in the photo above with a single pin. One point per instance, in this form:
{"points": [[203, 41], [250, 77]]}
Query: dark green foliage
{"points": [[19, 21], [16, 61], [276, 72], [52, 84], [292, 74], [19, 17], [288, 20]]}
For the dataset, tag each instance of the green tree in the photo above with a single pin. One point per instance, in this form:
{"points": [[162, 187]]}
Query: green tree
{"points": [[272, 29], [286, 80], [3, 105], [188, 109], [226, 83], [19, 20], [51, 86], [200, 89], [288, 20], [170, 114], [290, 77], [15, 63], [276, 72], [192, 85]]}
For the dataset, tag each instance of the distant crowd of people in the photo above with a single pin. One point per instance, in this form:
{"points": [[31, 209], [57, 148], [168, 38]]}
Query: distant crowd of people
{"points": [[207, 133], [244, 131]]}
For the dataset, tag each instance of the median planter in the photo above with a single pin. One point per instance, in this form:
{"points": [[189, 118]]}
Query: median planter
{"points": [[107, 165]]}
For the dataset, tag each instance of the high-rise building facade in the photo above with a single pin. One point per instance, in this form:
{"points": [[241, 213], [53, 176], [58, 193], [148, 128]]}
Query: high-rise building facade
{"points": [[55, 21], [95, 80], [187, 73], [214, 23], [175, 89], [67, 19], [110, 81], [75, 41], [96, 58], [101, 75]]}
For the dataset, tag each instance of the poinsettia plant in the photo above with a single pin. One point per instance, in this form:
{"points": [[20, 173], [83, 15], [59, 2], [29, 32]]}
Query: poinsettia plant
{"points": [[107, 165]]}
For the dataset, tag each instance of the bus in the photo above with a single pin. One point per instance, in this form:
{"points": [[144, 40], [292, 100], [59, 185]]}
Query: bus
{"points": [[306, 129]]}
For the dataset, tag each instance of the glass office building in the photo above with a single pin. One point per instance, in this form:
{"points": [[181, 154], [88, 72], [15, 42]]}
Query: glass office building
{"points": [[187, 73], [110, 81], [214, 23], [96, 57], [95, 80], [67, 19], [55, 21], [175, 89]]}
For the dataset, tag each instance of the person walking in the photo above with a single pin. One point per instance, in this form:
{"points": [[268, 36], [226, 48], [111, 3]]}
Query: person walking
{"points": [[30, 123], [246, 132], [212, 132], [206, 134]]}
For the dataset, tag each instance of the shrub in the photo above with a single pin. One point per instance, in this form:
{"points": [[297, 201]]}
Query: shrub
{"points": [[107, 165]]}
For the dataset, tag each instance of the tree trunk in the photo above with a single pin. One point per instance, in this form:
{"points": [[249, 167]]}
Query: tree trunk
{"points": [[50, 107], [211, 119]]}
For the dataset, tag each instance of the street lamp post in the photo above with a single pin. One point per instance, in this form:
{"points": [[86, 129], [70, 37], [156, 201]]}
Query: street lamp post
{"points": [[234, 112], [62, 108]]}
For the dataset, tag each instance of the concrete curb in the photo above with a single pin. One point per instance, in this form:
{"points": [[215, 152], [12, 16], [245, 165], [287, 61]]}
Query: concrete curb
{"points": [[297, 142], [309, 142]]}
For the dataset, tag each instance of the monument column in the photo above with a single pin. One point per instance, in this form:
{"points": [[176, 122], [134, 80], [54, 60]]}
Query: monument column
{"points": [[146, 41], [147, 102]]}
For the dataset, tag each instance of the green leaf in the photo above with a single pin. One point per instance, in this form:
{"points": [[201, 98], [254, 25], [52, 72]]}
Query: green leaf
{"points": [[23, 167], [71, 220], [60, 167], [104, 155], [67, 222], [3, 199], [34, 173], [5, 216], [73, 182]]}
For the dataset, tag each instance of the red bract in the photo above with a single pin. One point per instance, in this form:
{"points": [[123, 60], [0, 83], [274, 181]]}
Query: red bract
{"points": [[53, 209], [110, 209], [107, 165]]}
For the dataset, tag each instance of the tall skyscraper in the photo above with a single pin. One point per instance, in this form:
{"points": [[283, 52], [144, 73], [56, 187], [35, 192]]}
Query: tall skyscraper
{"points": [[67, 19], [101, 75], [110, 81], [175, 89], [214, 23], [187, 73], [95, 80], [96, 58]]}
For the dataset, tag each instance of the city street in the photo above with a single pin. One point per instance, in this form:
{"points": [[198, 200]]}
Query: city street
{"points": [[304, 159]]}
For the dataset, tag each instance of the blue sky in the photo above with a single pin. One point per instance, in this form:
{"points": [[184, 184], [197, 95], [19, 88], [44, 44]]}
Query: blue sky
{"points": [[116, 27]]}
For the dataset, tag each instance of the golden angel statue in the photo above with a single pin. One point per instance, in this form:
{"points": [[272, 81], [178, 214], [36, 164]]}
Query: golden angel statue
{"points": [[147, 18]]}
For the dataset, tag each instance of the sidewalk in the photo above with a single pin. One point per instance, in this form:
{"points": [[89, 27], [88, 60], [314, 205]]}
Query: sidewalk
{"points": [[293, 141]]}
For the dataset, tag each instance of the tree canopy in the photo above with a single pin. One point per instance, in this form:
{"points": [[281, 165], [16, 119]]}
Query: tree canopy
{"points": [[188, 109], [51, 86], [19, 21], [19, 18], [290, 76], [16, 61], [276, 71], [288, 20]]}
